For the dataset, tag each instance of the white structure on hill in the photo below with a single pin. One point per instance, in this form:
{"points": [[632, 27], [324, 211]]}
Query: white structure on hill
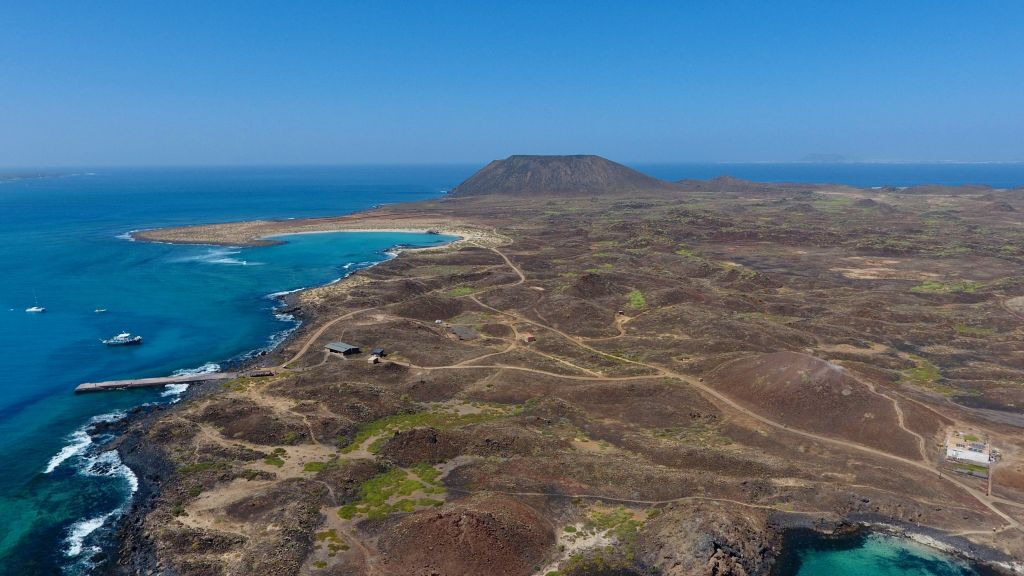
{"points": [[967, 447]]}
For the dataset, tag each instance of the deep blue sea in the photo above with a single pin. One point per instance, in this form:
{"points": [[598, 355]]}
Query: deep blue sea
{"points": [[63, 245]]}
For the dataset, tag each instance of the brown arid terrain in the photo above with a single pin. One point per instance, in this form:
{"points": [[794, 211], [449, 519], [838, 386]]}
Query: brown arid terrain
{"points": [[658, 379]]}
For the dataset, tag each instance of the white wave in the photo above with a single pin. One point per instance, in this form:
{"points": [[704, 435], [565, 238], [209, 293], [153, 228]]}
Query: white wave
{"points": [[174, 390], [277, 295], [284, 317], [80, 440], [109, 417], [126, 236], [207, 368], [109, 464], [78, 532], [105, 464]]}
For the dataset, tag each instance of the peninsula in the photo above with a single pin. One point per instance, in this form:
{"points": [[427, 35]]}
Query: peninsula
{"points": [[612, 374]]}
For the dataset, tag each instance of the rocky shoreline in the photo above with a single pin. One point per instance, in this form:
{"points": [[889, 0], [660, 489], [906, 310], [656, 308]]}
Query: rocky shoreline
{"points": [[132, 552]]}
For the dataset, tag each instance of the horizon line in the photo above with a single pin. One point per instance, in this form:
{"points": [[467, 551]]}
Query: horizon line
{"points": [[39, 167]]}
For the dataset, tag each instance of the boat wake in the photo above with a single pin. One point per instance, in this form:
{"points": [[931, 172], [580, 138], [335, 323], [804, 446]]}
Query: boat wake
{"points": [[224, 256]]}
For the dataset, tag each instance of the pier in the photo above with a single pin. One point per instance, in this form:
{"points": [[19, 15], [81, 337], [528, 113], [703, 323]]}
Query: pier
{"points": [[153, 382]]}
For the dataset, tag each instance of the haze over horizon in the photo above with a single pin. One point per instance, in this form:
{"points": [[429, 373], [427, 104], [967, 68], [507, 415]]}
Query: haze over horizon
{"points": [[237, 83]]}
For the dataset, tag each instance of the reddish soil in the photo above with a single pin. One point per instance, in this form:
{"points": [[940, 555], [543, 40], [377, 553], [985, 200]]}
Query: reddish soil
{"points": [[487, 534], [811, 394]]}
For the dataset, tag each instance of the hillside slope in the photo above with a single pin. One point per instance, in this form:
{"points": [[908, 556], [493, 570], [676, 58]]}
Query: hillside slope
{"points": [[557, 176]]}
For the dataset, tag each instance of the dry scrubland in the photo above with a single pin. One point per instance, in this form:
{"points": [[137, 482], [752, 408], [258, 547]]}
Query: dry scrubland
{"points": [[710, 363]]}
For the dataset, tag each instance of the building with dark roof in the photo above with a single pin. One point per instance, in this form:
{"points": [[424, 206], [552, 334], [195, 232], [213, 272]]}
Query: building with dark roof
{"points": [[342, 348]]}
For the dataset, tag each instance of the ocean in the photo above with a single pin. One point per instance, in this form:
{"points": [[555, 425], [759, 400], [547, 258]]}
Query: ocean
{"points": [[64, 246], [807, 553]]}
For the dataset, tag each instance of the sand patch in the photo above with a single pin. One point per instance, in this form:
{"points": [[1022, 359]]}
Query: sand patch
{"points": [[867, 268]]}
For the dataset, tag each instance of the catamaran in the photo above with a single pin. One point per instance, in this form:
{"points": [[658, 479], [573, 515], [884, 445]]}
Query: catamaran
{"points": [[123, 339]]}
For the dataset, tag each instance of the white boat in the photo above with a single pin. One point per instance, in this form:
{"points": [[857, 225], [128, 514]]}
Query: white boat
{"points": [[100, 310], [123, 339], [35, 310]]}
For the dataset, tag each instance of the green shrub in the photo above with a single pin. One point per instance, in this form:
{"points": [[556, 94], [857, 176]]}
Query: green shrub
{"points": [[636, 299]]}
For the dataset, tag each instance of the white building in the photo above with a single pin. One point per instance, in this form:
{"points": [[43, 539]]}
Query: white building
{"points": [[967, 447]]}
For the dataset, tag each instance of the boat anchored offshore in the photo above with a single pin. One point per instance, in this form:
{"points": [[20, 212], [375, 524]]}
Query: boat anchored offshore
{"points": [[35, 310], [123, 339]]}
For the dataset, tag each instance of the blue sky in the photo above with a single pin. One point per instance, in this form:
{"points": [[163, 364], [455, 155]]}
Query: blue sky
{"points": [[107, 83]]}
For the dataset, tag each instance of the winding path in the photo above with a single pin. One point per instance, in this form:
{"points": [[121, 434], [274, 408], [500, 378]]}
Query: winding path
{"points": [[660, 371]]}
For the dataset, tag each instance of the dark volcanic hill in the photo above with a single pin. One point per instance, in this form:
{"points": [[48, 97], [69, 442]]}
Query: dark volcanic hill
{"points": [[557, 176]]}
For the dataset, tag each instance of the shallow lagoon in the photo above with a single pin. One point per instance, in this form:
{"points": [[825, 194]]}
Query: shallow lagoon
{"points": [[807, 553]]}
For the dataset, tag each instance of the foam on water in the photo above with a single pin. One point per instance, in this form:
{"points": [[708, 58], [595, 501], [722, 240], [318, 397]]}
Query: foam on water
{"points": [[79, 531], [109, 464], [283, 293], [207, 368], [80, 440], [106, 464], [174, 390]]}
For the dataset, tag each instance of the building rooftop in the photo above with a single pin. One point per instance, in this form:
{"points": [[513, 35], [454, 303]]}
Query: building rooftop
{"points": [[342, 347]]}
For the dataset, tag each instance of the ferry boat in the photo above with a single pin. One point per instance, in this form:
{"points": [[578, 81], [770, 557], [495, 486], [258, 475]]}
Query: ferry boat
{"points": [[35, 310], [123, 339]]}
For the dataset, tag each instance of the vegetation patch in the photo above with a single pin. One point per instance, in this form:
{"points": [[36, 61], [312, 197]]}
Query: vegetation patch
{"points": [[936, 287], [973, 331], [636, 299], [330, 540], [617, 524], [687, 252], [441, 419], [831, 202], [199, 467], [276, 458], [317, 466], [461, 291], [390, 492], [926, 375]]}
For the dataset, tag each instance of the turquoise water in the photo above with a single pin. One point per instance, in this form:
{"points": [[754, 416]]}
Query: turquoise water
{"points": [[62, 245], [877, 554]]}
